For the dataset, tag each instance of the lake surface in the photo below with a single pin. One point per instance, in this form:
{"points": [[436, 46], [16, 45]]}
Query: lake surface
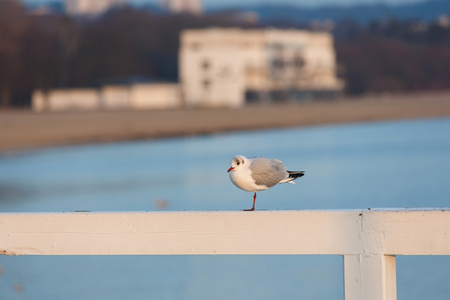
{"points": [[376, 165]]}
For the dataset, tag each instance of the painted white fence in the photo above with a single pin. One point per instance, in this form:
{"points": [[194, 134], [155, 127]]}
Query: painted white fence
{"points": [[367, 239]]}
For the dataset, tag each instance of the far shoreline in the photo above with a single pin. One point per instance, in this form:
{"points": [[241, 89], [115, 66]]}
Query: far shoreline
{"points": [[24, 130]]}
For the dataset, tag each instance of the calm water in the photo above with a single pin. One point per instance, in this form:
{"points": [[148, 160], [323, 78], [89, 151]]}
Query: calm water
{"points": [[392, 164]]}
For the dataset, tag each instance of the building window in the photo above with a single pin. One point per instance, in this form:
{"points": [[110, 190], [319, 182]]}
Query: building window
{"points": [[206, 84], [299, 61], [206, 65], [278, 63]]}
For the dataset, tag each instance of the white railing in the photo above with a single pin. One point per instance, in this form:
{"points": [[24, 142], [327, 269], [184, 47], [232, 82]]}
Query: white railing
{"points": [[368, 239]]}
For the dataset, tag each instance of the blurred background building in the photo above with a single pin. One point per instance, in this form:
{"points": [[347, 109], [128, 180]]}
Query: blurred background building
{"points": [[231, 67]]}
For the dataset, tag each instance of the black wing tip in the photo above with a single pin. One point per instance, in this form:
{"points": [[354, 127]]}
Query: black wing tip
{"points": [[296, 174]]}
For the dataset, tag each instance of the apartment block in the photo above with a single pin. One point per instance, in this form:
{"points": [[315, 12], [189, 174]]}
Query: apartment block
{"points": [[231, 67]]}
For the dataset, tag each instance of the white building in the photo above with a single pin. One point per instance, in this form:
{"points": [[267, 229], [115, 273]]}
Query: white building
{"points": [[91, 7], [136, 96], [229, 67], [182, 6]]}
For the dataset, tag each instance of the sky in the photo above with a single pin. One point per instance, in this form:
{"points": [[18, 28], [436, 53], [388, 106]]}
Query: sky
{"points": [[236, 3]]}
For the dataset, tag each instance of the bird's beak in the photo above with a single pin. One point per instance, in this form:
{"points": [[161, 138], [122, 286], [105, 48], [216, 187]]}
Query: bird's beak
{"points": [[230, 169]]}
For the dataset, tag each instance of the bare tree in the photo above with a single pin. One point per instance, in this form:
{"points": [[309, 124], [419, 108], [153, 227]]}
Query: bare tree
{"points": [[11, 30]]}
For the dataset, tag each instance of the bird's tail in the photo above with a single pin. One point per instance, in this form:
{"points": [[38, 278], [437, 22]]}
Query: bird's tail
{"points": [[296, 174]]}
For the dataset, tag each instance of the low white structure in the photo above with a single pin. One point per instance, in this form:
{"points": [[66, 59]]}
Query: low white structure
{"points": [[229, 67], [155, 96], [109, 97], [65, 99], [367, 239]]}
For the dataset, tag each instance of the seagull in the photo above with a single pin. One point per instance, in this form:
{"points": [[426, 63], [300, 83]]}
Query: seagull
{"points": [[259, 174]]}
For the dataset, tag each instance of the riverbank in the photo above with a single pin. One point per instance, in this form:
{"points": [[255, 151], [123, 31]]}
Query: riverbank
{"points": [[24, 130]]}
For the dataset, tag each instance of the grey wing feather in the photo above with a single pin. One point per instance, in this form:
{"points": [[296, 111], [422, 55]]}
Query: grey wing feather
{"points": [[268, 172]]}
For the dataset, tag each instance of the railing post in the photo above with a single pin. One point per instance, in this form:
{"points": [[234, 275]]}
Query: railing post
{"points": [[370, 277]]}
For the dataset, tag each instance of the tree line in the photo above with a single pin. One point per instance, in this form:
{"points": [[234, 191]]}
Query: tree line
{"points": [[56, 51], [394, 56]]}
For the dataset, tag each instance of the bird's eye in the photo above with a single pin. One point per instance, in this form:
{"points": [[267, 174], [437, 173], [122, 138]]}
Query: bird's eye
{"points": [[238, 163]]}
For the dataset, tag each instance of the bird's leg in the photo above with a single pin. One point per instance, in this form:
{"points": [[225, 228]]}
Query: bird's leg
{"points": [[253, 208]]}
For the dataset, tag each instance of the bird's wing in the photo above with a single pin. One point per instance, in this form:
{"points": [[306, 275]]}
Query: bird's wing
{"points": [[267, 172]]}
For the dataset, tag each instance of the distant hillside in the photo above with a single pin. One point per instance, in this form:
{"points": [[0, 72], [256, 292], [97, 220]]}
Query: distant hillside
{"points": [[426, 11]]}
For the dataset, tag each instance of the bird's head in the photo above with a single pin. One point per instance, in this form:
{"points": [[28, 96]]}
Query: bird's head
{"points": [[237, 162]]}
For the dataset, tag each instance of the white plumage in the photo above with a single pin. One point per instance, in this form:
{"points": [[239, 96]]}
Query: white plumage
{"points": [[259, 174]]}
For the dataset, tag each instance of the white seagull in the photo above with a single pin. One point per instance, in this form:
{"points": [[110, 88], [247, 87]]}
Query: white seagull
{"points": [[259, 174]]}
